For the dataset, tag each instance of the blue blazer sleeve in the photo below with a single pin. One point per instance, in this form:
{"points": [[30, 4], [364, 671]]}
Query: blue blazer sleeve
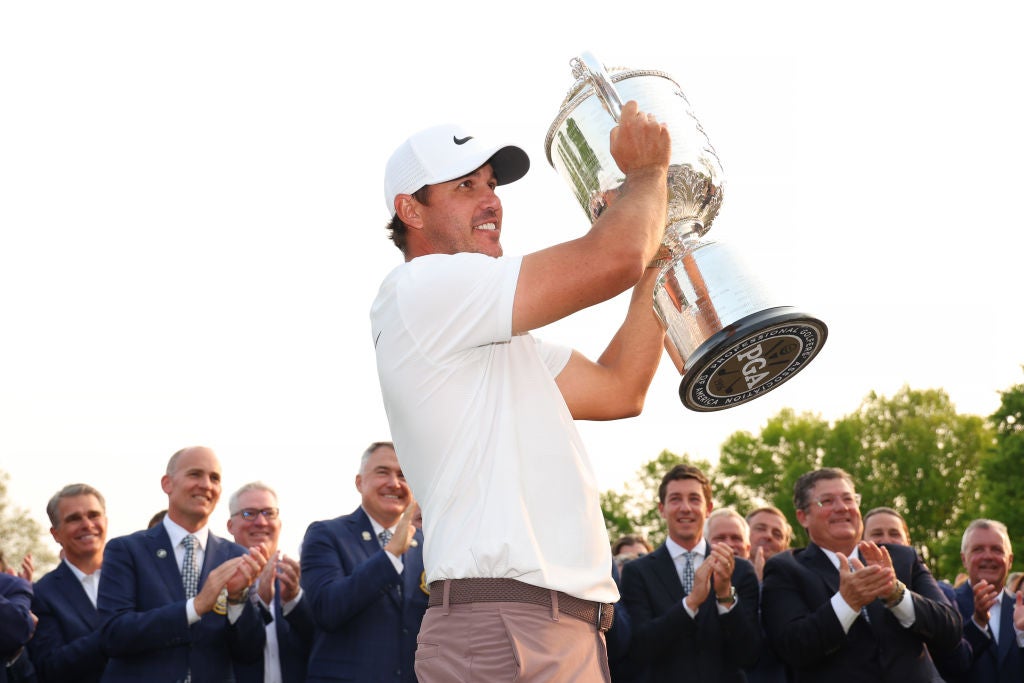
{"points": [[16, 625]]}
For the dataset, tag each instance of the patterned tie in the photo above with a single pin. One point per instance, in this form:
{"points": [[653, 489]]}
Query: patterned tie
{"points": [[384, 536], [687, 576], [189, 575]]}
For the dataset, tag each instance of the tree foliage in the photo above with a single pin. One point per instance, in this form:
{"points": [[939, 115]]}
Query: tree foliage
{"points": [[912, 452], [21, 534], [761, 470], [635, 509], [1002, 469]]}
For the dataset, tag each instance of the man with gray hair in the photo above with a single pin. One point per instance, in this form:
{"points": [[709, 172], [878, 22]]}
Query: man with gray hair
{"points": [[256, 520], [363, 577], [993, 619], [725, 525], [66, 646]]}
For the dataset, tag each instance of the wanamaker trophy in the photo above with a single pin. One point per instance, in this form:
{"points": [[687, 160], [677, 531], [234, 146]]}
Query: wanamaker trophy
{"points": [[727, 337]]}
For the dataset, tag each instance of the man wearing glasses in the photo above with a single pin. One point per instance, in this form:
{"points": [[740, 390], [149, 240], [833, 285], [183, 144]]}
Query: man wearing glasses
{"points": [[255, 521], [843, 609]]}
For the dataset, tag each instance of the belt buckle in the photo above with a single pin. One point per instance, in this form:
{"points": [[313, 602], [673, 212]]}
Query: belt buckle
{"points": [[600, 610]]}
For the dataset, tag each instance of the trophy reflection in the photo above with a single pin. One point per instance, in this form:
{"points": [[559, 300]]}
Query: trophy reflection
{"points": [[730, 342]]}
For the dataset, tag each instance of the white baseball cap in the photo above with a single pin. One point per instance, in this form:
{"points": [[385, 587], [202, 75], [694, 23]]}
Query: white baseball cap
{"points": [[443, 153]]}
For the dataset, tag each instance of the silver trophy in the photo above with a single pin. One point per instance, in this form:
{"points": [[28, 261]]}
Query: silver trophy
{"points": [[728, 340]]}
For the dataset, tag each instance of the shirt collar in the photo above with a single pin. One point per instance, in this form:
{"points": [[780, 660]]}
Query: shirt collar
{"points": [[79, 574], [675, 550], [177, 533], [377, 526], [834, 558]]}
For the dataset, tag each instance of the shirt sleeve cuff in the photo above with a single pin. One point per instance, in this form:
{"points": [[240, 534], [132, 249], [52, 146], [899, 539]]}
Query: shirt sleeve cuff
{"points": [[190, 611], [904, 610], [846, 614]]}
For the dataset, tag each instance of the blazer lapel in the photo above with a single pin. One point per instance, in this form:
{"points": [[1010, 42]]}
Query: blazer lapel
{"points": [[215, 554], [413, 576], [815, 559], [158, 546], [665, 571], [1007, 635], [361, 530], [71, 589]]}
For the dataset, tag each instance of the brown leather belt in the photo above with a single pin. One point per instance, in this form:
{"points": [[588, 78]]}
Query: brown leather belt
{"points": [[462, 591]]}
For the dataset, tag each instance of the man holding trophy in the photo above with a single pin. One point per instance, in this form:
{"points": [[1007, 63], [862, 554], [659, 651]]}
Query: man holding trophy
{"points": [[481, 413]]}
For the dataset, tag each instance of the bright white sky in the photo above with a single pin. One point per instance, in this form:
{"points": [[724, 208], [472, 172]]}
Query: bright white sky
{"points": [[192, 216]]}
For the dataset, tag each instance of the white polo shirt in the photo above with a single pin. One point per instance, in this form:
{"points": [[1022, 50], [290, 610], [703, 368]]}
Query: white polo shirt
{"points": [[483, 434]]}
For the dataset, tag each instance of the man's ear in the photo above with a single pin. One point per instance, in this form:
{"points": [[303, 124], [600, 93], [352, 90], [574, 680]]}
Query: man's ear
{"points": [[408, 210], [801, 517]]}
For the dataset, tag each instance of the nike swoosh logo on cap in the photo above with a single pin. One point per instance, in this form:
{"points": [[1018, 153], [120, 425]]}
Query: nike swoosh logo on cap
{"points": [[461, 141]]}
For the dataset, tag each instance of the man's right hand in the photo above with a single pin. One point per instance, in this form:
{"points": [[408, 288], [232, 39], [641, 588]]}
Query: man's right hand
{"points": [[403, 538], [640, 143], [206, 598], [860, 586], [985, 596]]}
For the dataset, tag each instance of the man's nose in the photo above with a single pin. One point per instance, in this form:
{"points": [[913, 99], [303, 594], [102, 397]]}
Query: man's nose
{"points": [[490, 200]]}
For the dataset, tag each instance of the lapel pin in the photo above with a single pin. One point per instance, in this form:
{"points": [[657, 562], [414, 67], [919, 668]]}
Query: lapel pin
{"points": [[366, 535], [161, 553]]}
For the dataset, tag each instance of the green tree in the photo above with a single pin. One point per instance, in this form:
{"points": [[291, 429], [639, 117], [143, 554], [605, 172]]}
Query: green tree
{"points": [[915, 453], [20, 534], [1002, 469], [634, 510], [758, 470]]}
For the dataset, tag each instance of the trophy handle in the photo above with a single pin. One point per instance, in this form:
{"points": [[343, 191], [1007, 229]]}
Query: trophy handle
{"points": [[589, 67]]}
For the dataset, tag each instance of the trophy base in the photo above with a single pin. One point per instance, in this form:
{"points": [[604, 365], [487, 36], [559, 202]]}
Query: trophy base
{"points": [[749, 358]]}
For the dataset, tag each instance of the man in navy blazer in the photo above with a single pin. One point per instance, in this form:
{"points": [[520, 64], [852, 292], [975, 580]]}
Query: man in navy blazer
{"points": [[256, 520], [154, 632], [17, 624], [709, 632], [66, 646], [367, 587], [993, 619], [843, 609]]}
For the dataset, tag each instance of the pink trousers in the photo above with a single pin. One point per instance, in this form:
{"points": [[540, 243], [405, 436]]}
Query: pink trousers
{"points": [[492, 642]]}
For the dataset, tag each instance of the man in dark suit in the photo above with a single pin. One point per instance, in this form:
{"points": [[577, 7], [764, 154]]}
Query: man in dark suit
{"points": [[843, 609], [256, 520], [175, 596], [993, 619], [363, 575], [693, 605], [17, 624], [66, 646]]}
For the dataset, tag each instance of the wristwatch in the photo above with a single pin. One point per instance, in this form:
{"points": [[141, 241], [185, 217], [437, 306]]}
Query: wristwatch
{"points": [[896, 596], [728, 599]]}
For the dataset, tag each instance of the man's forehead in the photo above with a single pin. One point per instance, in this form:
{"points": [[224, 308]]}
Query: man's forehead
{"points": [[256, 495], [831, 486], [985, 538], [82, 500], [766, 519], [199, 460]]}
